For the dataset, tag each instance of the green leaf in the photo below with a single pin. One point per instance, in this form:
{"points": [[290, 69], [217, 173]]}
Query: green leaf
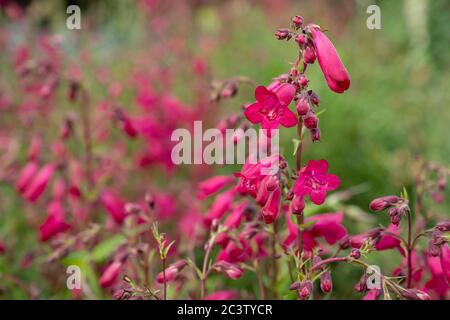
{"points": [[104, 249], [296, 145], [166, 249]]}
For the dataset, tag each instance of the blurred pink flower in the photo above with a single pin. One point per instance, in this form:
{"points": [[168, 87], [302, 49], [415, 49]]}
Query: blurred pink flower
{"points": [[110, 274], [212, 185], [39, 183], [171, 271], [114, 205], [222, 295], [54, 223]]}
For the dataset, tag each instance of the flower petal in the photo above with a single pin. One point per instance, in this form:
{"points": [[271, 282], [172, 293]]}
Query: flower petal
{"points": [[252, 113], [318, 197], [333, 182], [285, 93], [288, 119]]}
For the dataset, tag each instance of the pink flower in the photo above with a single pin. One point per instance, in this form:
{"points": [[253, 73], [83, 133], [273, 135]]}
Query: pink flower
{"points": [[2, 247], [39, 183], [222, 295], [271, 107], [231, 270], [212, 185], [372, 294], [272, 206], [387, 242], [220, 206], [328, 226], [110, 274], [171, 271], [54, 223], [113, 205], [26, 176], [337, 77], [314, 181]]}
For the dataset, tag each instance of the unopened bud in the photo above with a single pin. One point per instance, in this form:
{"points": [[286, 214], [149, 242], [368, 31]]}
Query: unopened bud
{"points": [[303, 81], [311, 121], [382, 203], [302, 107], [297, 21], [326, 283], [355, 254], [305, 290], [282, 34], [315, 134], [415, 294], [309, 56], [150, 200], [301, 40], [297, 205]]}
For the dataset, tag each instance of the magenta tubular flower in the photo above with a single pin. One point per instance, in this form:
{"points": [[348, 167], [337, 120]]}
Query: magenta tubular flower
{"points": [[328, 226], [220, 206], [54, 223], [222, 295], [110, 274], [337, 77], [212, 185], [271, 107], [387, 242], [314, 181], [272, 206], [2, 247], [113, 205], [39, 183], [382, 203], [171, 271], [372, 294], [326, 284], [26, 176]]}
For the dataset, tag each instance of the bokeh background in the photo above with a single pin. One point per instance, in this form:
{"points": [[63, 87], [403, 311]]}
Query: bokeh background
{"points": [[395, 113]]}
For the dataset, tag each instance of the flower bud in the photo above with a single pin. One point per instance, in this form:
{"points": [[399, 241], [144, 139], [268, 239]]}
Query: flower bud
{"points": [[229, 90], [302, 107], [309, 56], [362, 283], [315, 134], [295, 286], [305, 290], [311, 121], [297, 21], [382, 203], [297, 205], [443, 226], [290, 195], [150, 200], [272, 183], [415, 294], [301, 40], [314, 98], [326, 283], [355, 254], [344, 243], [282, 34], [303, 81]]}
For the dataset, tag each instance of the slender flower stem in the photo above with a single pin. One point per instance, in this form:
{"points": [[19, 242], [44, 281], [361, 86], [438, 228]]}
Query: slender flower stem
{"points": [[164, 278], [395, 287], [409, 249], [205, 270], [262, 289], [274, 260], [298, 166]]}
